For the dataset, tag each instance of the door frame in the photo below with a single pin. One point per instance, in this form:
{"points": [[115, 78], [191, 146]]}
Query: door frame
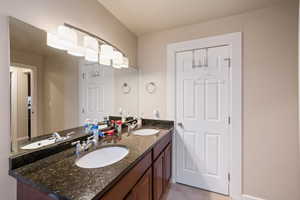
{"points": [[34, 92], [234, 40]]}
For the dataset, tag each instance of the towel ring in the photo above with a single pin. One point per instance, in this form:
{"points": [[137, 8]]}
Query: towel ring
{"points": [[151, 87], [126, 88]]}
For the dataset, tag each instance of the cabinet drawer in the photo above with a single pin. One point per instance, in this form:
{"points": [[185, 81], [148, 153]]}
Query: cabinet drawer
{"points": [[158, 148], [123, 187]]}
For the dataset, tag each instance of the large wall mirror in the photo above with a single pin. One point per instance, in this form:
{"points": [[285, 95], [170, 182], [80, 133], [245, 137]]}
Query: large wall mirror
{"points": [[52, 90]]}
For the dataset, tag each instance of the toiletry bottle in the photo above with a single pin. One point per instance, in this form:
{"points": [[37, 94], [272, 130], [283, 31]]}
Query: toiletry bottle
{"points": [[106, 120], [96, 136], [95, 129], [119, 127], [87, 126], [100, 134]]}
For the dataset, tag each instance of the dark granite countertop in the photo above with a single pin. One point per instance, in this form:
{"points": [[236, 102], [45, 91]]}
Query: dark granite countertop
{"points": [[62, 179]]}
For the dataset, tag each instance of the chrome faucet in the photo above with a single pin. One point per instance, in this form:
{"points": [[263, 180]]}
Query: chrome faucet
{"points": [[131, 127], [91, 142], [57, 137]]}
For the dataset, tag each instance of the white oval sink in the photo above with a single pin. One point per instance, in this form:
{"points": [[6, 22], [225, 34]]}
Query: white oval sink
{"points": [[102, 157], [38, 144], [145, 132]]}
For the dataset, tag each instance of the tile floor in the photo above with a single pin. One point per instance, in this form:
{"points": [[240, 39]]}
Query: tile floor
{"points": [[182, 192]]}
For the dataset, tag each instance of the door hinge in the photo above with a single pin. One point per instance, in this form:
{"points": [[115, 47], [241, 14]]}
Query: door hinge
{"points": [[229, 120], [83, 75], [229, 61], [228, 176], [82, 110]]}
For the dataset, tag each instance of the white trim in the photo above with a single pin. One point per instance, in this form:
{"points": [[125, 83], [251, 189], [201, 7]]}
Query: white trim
{"points": [[235, 41], [248, 197]]}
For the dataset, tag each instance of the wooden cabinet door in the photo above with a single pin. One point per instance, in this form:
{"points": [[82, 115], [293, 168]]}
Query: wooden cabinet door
{"points": [[158, 177], [168, 164], [130, 196], [143, 189]]}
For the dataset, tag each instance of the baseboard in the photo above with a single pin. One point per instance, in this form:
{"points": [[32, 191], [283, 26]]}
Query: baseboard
{"points": [[248, 197]]}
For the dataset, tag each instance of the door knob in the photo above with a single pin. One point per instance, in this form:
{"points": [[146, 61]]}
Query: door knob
{"points": [[180, 124]]}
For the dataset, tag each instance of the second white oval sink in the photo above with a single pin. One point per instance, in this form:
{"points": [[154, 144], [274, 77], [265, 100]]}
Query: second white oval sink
{"points": [[146, 132], [102, 157], [38, 144]]}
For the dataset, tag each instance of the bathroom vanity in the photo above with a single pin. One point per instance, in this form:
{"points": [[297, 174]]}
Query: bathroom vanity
{"points": [[143, 174], [65, 92]]}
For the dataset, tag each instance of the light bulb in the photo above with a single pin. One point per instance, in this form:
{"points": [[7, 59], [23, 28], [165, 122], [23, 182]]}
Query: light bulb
{"points": [[54, 42], [67, 36], [125, 63], [118, 59], [106, 51]]}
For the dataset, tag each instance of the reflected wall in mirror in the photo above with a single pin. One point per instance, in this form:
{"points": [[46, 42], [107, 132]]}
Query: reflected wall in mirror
{"points": [[52, 90]]}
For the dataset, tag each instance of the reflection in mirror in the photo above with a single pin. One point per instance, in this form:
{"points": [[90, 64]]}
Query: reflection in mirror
{"points": [[52, 90]]}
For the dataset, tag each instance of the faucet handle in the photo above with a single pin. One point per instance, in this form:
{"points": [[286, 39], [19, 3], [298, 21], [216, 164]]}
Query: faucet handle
{"points": [[71, 133], [90, 138]]}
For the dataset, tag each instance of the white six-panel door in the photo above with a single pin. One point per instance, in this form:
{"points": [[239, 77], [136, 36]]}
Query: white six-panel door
{"points": [[202, 113], [96, 91]]}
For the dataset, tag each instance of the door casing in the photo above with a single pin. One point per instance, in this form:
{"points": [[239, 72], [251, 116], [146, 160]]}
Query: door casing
{"points": [[234, 40]]}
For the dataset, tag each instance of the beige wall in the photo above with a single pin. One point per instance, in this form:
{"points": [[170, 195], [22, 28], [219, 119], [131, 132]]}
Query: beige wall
{"points": [[270, 133], [47, 15], [57, 89], [128, 102], [60, 91]]}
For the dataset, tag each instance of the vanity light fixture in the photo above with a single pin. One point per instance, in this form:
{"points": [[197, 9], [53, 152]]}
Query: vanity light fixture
{"points": [[78, 42]]}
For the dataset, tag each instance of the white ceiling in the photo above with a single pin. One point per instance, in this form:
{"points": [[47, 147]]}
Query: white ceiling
{"points": [[143, 16]]}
